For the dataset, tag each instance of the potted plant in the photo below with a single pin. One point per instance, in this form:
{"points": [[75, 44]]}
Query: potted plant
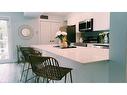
{"points": [[103, 37], [62, 38]]}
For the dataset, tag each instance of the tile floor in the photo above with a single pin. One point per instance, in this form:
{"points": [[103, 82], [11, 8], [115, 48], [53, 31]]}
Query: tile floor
{"points": [[11, 73]]}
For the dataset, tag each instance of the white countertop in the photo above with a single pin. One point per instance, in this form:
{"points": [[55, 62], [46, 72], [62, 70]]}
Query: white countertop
{"points": [[79, 54]]}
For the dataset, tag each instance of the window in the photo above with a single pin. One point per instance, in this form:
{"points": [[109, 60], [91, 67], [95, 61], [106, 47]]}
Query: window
{"points": [[4, 53]]}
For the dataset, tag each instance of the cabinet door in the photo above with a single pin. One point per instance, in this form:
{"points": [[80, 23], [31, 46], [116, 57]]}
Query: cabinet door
{"points": [[101, 21], [44, 32], [54, 28], [47, 32]]}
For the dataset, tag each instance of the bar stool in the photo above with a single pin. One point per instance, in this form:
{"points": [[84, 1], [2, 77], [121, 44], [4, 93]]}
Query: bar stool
{"points": [[48, 68], [24, 51]]}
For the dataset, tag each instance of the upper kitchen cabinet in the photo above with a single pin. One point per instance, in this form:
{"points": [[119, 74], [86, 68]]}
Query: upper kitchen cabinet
{"points": [[101, 21]]}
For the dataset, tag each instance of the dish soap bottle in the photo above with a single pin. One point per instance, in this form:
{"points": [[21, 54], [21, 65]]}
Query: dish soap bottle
{"points": [[106, 38]]}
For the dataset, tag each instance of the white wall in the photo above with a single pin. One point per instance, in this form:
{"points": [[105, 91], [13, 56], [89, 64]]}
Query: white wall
{"points": [[17, 19], [101, 20]]}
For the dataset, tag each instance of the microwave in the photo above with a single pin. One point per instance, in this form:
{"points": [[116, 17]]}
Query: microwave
{"points": [[86, 25]]}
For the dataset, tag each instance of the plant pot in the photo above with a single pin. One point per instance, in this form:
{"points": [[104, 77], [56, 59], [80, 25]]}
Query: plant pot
{"points": [[63, 44]]}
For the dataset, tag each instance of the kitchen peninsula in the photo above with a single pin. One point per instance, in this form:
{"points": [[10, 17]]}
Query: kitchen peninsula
{"points": [[89, 64]]}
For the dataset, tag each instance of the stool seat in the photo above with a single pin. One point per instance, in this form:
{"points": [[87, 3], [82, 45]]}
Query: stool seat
{"points": [[53, 72]]}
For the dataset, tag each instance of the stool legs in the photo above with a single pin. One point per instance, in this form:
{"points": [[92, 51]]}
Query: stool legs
{"points": [[27, 72], [70, 76], [22, 72], [65, 78], [47, 80], [38, 79]]}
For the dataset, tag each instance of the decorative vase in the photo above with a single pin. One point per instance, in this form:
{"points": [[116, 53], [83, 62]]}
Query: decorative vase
{"points": [[63, 44]]}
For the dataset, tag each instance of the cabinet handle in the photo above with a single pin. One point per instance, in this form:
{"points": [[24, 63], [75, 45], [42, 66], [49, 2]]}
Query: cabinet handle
{"points": [[51, 40]]}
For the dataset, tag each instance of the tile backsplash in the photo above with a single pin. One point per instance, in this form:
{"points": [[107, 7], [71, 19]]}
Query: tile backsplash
{"points": [[85, 35]]}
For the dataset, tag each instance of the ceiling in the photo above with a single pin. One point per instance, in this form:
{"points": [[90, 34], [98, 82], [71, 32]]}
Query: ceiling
{"points": [[57, 13], [37, 14]]}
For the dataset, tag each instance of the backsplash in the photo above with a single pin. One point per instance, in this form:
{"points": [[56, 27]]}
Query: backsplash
{"points": [[78, 35], [86, 36]]}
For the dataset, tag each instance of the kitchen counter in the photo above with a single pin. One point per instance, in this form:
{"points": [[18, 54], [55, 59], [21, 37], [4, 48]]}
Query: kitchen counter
{"points": [[79, 54], [101, 44], [89, 64]]}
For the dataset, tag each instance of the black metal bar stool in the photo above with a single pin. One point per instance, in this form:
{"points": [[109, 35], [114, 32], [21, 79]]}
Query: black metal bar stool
{"points": [[25, 52], [48, 68]]}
